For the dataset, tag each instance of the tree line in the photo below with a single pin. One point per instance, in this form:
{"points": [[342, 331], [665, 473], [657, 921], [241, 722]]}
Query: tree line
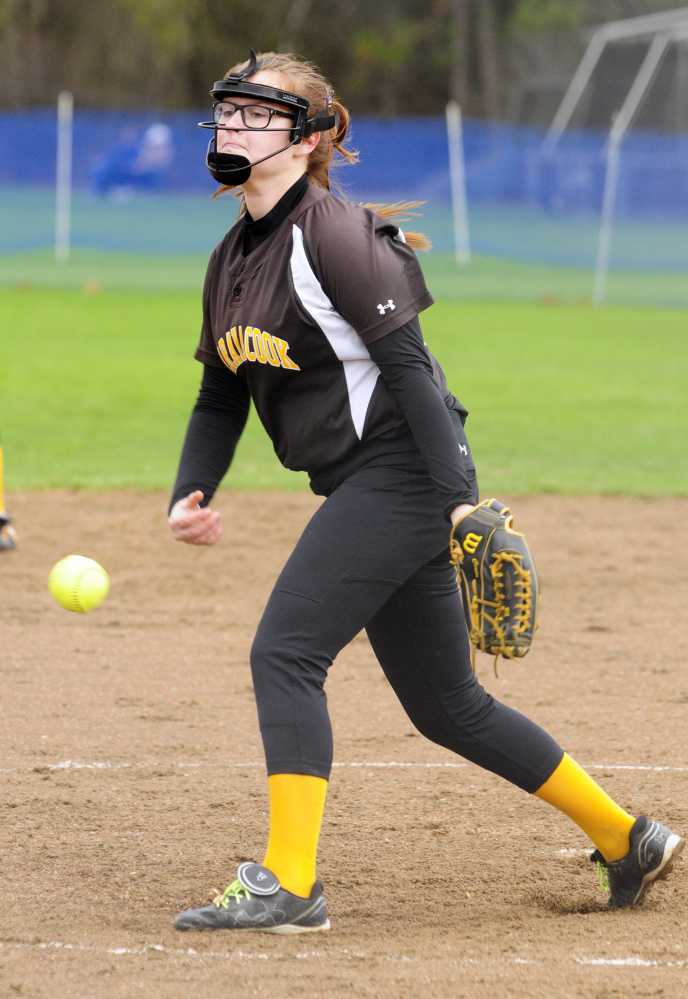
{"points": [[386, 57]]}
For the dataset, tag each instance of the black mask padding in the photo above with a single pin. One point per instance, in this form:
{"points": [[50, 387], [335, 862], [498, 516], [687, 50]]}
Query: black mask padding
{"points": [[228, 168], [323, 121]]}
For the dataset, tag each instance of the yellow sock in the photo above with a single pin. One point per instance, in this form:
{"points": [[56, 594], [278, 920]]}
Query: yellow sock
{"points": [[296, 807], [577, 795]]}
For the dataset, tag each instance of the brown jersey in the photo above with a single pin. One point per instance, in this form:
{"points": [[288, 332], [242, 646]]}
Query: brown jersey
{"points": [[294, 316]]}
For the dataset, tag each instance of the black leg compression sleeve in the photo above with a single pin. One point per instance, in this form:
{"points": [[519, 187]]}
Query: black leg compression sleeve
{"points": [[421, 642], [374, 555]]}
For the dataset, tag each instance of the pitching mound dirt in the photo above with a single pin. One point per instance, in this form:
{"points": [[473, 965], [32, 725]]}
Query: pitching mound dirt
{"points": [[133, 779]]}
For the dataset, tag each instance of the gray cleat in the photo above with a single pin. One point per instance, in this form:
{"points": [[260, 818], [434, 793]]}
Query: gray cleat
{"points": [[8, 537], [256, 901], [652, 853]]}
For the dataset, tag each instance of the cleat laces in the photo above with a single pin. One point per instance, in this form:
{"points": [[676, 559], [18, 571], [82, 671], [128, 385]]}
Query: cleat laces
{"points": [[236, 891], [603, 876]]}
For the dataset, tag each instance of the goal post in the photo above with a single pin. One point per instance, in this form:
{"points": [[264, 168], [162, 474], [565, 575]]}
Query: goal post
{"points": [[673, 21], [661, 30], [622, 123]]}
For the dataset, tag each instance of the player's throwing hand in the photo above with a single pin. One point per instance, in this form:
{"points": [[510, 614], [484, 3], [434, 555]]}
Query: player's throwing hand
{"points": [[193, 523]]}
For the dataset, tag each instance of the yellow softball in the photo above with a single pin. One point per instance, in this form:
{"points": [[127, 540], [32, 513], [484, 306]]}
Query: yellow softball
{"points": [[78, 583]]}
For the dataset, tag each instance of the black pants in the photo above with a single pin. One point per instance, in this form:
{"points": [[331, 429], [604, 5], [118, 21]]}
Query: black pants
{"points": [[375, 556]]}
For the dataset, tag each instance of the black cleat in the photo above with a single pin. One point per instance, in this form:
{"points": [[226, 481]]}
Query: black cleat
{"points": [[256, 901], [652, 853], [8, 537]]}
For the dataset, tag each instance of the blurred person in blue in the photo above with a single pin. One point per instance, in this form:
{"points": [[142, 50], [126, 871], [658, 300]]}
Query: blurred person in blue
{"points": [[135, 164]]}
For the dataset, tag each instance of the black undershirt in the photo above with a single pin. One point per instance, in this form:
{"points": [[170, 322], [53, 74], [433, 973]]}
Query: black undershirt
{"points": [[256, 232], [223, 403]]}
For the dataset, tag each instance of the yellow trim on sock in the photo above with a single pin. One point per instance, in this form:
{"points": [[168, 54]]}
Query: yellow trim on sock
{"points": [[296, 807], [577, 795]]}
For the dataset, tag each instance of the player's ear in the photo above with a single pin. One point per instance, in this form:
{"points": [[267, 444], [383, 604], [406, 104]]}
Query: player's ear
{"points": [[306, 146]]}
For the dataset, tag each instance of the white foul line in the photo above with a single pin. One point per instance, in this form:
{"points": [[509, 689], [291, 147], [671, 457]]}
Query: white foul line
{"points": [[630, 962], [375, 764], [233, 955]]}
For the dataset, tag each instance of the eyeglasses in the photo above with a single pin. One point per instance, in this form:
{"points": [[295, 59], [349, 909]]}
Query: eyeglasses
{"points": [[252, 115]]}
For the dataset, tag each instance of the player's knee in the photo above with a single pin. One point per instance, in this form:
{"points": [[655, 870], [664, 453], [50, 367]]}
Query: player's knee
{"points": [[462, 720], [264, 656], [277, 658]]}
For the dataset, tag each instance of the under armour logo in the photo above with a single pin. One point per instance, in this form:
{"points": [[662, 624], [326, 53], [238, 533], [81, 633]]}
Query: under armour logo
{"points": [[463, 449], [383, 308]]}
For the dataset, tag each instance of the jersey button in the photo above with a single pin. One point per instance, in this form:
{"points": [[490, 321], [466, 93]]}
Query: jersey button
{"points": [[237, 290]]}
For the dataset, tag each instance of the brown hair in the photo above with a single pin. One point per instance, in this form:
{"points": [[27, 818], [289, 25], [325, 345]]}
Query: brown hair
{"points": [[301, 77]]}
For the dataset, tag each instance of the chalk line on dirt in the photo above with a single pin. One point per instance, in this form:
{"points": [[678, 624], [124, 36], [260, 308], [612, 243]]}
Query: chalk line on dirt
{"points": [[175, 953], [252, 764]]}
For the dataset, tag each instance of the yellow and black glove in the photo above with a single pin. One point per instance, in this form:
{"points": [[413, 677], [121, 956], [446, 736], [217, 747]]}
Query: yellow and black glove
{"points": [[498, 579]]}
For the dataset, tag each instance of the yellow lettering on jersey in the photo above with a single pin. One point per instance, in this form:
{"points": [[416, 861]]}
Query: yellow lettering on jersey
{"points": [[236, 360], [282, 348], [222, 351], [250, 353], [471, 542], [269, 348], [250, 344], [258, 345], [237, 338]]}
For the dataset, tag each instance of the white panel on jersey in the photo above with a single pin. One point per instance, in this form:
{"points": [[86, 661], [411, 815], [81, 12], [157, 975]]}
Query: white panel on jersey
{"points": [[360, 372]]}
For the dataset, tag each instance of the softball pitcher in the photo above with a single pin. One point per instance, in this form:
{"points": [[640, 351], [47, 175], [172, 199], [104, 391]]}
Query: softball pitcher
{"points": [[310, 310]]}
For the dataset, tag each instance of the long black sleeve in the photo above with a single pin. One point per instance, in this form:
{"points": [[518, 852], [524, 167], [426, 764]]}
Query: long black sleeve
{"points": [[406, 367], [214, 429]]}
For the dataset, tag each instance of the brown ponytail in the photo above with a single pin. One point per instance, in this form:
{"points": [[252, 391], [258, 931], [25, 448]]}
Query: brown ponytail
{"points": [[301, 77], [399, 212], [320, 160]]}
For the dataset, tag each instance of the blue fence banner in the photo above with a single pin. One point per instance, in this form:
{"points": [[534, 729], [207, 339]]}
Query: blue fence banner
{"points": [[140, 185]]}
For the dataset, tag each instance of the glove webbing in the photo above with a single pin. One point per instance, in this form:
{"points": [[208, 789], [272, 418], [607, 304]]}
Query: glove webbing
{"points": [[524, 607]]}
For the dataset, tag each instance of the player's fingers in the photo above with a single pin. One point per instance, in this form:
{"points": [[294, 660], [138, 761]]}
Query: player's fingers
{"points": [[186, 505], [184, 515], [197, 527], [193, 520], [211, 535], [200, 522]]}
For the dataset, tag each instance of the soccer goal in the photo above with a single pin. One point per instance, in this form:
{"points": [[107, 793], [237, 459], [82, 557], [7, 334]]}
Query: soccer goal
{"points": [[613, 83]]}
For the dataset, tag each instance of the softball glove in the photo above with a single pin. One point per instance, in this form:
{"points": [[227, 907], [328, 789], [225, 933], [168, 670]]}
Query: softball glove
{"points": [[498, 579]]}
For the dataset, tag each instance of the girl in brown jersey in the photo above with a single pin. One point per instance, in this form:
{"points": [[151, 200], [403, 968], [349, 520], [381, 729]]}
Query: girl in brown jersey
{"points": [[310, 310]]}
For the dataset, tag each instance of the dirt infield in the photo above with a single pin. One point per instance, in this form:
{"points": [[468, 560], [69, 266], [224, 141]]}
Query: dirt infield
{"points": [[133, 783]]}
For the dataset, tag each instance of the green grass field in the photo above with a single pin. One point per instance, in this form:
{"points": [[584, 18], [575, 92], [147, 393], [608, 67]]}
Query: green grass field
{"points": [[96, 389], [158, 243], [485, 279]]}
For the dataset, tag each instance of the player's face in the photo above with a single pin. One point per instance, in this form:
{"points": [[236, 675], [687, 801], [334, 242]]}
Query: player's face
{"points": [[258, 142]]}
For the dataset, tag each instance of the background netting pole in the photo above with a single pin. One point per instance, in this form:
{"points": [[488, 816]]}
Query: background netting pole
{"points": [[63, 187], [457, 172]]}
